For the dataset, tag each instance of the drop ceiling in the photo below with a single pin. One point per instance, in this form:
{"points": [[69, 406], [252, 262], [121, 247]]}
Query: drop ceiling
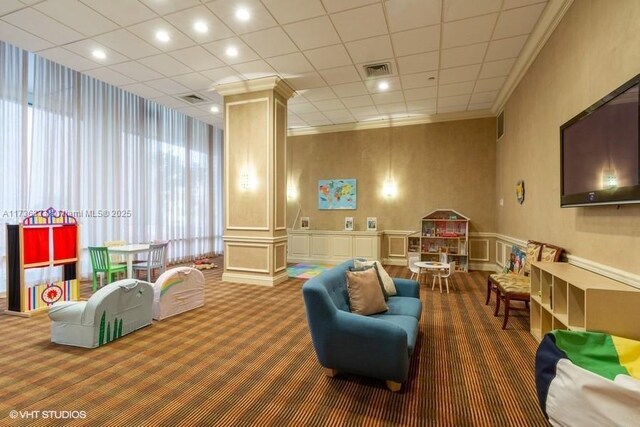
{"points": [[448, 58]]}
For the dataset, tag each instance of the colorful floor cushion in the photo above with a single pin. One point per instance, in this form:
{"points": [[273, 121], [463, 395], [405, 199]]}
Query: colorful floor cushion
{"points": [[588, 379], [307, 271], [177, 290]]}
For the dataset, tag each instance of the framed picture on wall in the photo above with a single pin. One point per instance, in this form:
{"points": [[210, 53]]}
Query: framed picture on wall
{"points": [[304, 223], [337, 194], [348, 223], [372, 223]]}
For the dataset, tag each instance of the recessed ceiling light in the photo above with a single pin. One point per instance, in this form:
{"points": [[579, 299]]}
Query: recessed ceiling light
{"points": [[99, 54], [200, 27], [231, 51], [243, 14], [163, 36], [383, 85], [215, 109]]}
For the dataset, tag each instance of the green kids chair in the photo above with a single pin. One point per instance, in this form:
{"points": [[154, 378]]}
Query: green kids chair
{"points": [[101, 263]]}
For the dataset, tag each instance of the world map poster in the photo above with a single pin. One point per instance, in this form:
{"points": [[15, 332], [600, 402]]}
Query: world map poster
{"points": [[337, 194]]}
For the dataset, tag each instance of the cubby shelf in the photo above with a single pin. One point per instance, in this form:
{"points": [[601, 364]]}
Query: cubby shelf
{"points": [[564, 296]]}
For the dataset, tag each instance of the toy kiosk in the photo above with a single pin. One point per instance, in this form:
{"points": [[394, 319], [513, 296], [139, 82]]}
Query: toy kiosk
{"points": [[48, 238]]}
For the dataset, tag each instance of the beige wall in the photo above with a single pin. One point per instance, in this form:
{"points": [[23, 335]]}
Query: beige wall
{"points": [[439, 165], [594, 49]]}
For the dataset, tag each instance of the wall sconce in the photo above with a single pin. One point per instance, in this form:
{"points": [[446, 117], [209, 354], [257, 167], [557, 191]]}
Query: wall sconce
{"points": [[292, 192], [389, 188], [247, 180], [609, 179]]}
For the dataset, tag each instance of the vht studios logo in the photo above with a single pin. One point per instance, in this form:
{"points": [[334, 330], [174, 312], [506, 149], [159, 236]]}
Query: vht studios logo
{"points": [[60, 415]]}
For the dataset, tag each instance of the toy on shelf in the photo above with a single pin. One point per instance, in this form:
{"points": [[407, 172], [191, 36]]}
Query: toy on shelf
{"points": [[47, 238], [204, 264]]}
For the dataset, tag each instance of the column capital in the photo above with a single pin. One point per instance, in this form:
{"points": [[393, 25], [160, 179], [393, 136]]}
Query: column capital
{"points": [[247, 86]]}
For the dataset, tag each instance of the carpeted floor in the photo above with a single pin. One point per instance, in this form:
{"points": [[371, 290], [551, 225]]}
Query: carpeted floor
{"points": [[246, 359]]}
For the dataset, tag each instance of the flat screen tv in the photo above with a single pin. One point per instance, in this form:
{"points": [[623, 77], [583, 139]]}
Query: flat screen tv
{"points": [[600, 151]]}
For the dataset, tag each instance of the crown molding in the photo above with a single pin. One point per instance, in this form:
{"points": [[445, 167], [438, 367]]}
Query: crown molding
{"points": [[551, 17], [391, 122], [274, 83]]}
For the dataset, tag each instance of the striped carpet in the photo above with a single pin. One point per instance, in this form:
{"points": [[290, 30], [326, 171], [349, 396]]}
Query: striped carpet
{"points": [[246, 359]]}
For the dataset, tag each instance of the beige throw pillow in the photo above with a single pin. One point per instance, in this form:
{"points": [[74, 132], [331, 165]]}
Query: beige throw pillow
{"points": [[365, 295], [387, 281]]}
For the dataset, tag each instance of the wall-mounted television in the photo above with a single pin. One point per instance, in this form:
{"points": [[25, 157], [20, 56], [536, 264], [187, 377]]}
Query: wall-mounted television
{"points": [[600, 151]]}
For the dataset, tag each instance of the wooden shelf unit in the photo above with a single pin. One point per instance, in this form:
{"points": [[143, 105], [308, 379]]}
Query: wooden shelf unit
{"points": [[445, 231], [564, 296]]}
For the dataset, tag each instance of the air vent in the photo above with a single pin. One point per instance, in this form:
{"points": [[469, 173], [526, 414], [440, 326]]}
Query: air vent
{"points": [[378, 70], [193, 98]]}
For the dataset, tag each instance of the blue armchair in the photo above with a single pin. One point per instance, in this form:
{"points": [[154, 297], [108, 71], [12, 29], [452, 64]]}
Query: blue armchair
{"points": [[379, 345]]}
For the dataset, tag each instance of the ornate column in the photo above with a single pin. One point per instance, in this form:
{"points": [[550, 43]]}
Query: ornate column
{"points": [[255, 200]]}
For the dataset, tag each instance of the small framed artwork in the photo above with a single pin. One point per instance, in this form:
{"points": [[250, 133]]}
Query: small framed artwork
{"points": [[372, 223], [304, 223], [348, 223]]}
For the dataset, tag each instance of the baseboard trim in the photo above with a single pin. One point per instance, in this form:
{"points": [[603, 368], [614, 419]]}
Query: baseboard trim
{"points": [[252, 279], [482, 266], [394, 261]]}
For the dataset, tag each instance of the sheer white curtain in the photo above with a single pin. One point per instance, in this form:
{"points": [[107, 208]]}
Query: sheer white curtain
{"points": [[13, 102], [131, 169]]}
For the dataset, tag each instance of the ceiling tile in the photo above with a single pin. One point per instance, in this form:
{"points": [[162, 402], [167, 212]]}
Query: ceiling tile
{"points": [[486, 85], [388, 97], [42, 26], [271, 42], [328, 57], [362, 113], [337, 114], [68, 59], [449, 101], [412, 81], [423, 39], [421, 93], [315, 119], [136, 71], [461, 9], [142, 90], [303, 108], [313, 33], [167, 86], [306, 81], [338, 5], [109, 76], [399, 107], [360, 23], [127, 43], [286, 11], [222, 75], [341, 120], [468, 31], [465, 55], [335, 76], [185, 20], [496, 68], [422, 105], [481, 106], [194, 81], [417, 63], [319, 94], [329, 105], [452, 108], [505, 48], [518, 21], [147, 32], [170, 101], [21, 38], [479, 98], [459, 74], [455, 89], [510, 4], [8, 6], [260, 16], [291, 64], [350, 89], [77, 16], [122, 12], [218, 48], [254, 69], [163, 7], [86, 47], [197, 58], [370, 49], [393, 82], [357, 101], [407, 14], [166, 65]]}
